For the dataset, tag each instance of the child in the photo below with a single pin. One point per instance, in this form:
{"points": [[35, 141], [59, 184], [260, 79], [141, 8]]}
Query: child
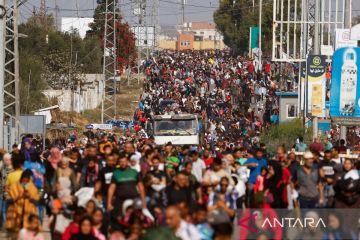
{"points": [[259, 184], [32, 232], [200, 221]]}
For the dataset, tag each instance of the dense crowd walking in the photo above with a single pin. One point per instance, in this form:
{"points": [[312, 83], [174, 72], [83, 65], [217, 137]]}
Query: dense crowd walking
{"points": [[103, 185]]}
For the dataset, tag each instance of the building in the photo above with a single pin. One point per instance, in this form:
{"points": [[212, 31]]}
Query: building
{"points": [[202, 31], [192, 35], [81, 25], [185, 41]]}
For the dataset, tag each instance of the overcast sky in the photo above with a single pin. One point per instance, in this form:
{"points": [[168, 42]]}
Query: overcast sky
{"points": [[169, 13], [170, 10]]}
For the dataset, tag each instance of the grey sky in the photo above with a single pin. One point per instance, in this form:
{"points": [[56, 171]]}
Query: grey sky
{"points": [[169, 9]]}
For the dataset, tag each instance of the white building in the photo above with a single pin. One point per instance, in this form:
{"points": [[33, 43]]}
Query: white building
{"points": [[201, 30], [82, 25]]}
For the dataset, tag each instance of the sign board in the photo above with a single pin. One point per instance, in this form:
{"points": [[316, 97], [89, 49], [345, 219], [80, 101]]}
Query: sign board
{"points": [[254, 37], [316, 87], [99, 126], [327, 50], [345, 87], [32, 124], [342, 39], [145, 36], [302, 84], [355, 32]]}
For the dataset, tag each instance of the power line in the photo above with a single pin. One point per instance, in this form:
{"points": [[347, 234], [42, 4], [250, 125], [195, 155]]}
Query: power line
{"points": [[191, 5]]}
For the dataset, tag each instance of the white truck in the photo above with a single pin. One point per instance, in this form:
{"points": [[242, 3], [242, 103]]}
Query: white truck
{"points": [[179, 129]]}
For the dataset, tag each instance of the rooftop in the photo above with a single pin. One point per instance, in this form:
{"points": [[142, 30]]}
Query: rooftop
{"points": [[202, 25]]}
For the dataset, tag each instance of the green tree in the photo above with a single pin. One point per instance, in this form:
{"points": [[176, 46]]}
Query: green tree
{"points": [[31, 51], [234, 19], [52, 59], [285, 134]]}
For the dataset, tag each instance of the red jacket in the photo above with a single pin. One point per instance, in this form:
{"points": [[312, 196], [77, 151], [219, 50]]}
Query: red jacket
{"points": [[72, 229]]}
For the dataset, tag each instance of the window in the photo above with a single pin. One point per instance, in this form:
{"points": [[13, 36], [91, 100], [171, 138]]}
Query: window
{"points": [[291, 111], [185, 43], [201, 33], [210, 37]]}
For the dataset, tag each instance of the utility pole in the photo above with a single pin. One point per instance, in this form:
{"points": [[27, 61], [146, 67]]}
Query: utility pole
{"points": [[140, 28], [183, 12], [155, 23], [108, 104], [182, 15], [347, 14], [347, 25], [42, 14], [9, 76], [57, 9], [2, 69], [260, 22], [316, 51]]}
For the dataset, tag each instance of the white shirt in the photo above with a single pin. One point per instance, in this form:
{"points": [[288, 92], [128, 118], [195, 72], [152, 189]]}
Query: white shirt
{"points": [[187, 231], [337, 160], [197, 169]]}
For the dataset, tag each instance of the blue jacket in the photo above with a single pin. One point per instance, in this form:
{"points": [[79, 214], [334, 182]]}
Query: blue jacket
{"points": [[255, 171]]}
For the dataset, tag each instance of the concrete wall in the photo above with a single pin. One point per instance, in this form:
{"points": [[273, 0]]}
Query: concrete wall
{"points": [[197, 45], [167, 44], [89, 97], [208, 44]]}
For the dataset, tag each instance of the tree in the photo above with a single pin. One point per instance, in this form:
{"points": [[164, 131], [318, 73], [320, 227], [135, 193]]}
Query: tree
{"points": [[45, 57], [234, 19], [31, 52], [60, 73], [125, 39], [285, 134]]}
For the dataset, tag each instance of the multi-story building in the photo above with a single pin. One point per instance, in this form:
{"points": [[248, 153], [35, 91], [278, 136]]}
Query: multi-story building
{"points": [[192, 35]]}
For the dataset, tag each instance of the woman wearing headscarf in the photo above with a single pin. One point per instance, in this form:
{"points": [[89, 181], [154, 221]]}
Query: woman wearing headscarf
{"points": [[52, 164], [65, 181], [28, 150], [22, 198], [273, 192], [5, 169], [36, 166]]}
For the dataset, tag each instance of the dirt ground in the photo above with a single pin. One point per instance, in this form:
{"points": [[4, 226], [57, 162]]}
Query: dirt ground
{"points": [[127, 102]]}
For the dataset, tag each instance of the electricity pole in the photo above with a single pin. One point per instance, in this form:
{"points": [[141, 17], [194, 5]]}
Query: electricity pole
{"points": [[316, 51], [260, 22], [108, 105], [347, 14], [347, 25], [183, 12], [2, 68], [9, 76]]}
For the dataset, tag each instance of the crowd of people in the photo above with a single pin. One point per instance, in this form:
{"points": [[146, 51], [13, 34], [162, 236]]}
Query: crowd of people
{"points": [[106, 186]]}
